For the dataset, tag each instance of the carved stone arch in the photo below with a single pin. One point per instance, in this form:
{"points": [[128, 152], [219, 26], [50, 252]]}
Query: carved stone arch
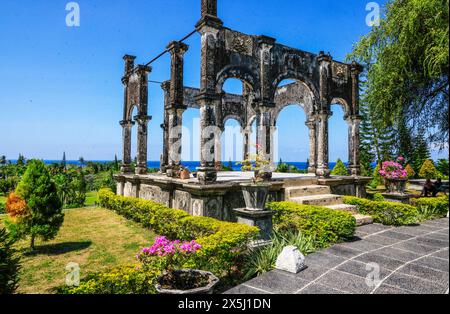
{"points": [[299, 77], [239, 119], [344, 104], [241, 73], [130, 110]]}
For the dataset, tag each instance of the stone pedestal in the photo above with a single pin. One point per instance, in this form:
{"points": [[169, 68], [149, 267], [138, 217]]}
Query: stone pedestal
{"points": [[256, 218], [398, 198]]}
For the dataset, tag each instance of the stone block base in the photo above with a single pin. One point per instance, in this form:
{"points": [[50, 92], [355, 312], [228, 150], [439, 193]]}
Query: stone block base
{"points": [[256, 218]]}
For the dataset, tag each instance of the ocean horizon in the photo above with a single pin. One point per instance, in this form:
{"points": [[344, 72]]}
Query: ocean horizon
{"points": [[191, 165]]}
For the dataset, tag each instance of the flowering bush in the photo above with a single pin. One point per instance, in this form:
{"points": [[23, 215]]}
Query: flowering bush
{"points": [[393, 170], [169, 255]]}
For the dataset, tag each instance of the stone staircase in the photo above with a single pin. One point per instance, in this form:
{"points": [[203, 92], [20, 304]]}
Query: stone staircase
{"points": [[308, 193]]}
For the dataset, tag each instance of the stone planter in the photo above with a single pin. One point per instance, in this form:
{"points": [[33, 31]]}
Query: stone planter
{"points": [[255, 195], [183, 275], [395, 186]]}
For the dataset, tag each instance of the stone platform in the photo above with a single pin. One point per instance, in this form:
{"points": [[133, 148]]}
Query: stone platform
{"points": [[219, 199]]}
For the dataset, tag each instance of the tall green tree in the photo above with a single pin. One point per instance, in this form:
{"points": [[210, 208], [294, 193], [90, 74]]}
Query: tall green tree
{"points": [[406, 61], [405, 143], [64, 162], [39, 191], [9, 264], [421, 152]]}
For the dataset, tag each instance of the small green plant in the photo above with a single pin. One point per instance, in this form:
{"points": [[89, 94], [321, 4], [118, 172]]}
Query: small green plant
{"points": [[259, 261], [378, 197], [431, 208], [340, 169]]}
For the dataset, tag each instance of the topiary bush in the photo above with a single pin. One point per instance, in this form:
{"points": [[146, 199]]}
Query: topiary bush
{"points": [[428, 170], [323, 224], [340, 169], [9, 264], [387, 213], [410, 170], [431, 207]]}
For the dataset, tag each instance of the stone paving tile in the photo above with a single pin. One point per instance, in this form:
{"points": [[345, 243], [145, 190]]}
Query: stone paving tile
{"points": [[438, 236], [320, 289], [432, 242], [386, 289], [397, 254], [414, 284], [412, 231], [342, 251], [374, 228], [442, 254], [362, 269], [445, 231], [396, 235], [363, 245], [416, 247], [242, 289], [345, 282], [379, 239], [440, 222], [434, 263], [418, 270], [324, 260], [383, 261], [312, 272], [277, 282], [360, 234]]}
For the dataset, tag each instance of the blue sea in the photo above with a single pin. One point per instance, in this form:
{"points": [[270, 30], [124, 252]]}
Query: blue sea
{"points": [[192, 165]]}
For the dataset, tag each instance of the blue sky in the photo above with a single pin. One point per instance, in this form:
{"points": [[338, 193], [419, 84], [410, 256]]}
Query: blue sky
{"points": [[61, 88]]}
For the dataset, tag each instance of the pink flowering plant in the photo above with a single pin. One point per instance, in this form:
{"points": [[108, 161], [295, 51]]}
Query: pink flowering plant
{"points": [[168, 255], [393, 170]]}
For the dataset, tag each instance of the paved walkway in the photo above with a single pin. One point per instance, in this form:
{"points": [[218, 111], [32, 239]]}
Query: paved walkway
{"points": [[409, 259]]}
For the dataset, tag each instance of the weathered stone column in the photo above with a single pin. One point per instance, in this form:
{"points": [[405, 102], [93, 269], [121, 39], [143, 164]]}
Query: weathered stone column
{"points": [[353, 145], [208, 27], [142, 121], [218, 150], [312, 167], [264, 133], [176, 105], [165, 127], [126, 148], [175, 137], [323, 169], [246, 135]]}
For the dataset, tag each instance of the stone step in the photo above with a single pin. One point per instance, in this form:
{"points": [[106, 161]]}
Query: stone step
{"points": [[307, 190], [362, 220], [300, 182], [344, 207], [318, 200]]}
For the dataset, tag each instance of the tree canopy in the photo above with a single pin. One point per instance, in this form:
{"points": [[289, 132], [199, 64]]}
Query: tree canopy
{"points": [[406, 67]]}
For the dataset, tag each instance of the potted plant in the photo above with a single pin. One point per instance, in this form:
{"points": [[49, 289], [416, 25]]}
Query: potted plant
{"points": [[170, 257], [395, 177]]}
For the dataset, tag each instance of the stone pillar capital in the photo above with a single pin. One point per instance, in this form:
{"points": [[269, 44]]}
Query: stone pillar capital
{"points": [[142, 119], [356, 68], [165, 86], [322, 57], [177, 48], [143, 69], [127, 123]]}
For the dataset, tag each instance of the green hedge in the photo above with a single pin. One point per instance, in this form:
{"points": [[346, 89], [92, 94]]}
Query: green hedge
{"points": [[431, 207], [126, 279], [222, 242], [387, 213], [323, 224]]}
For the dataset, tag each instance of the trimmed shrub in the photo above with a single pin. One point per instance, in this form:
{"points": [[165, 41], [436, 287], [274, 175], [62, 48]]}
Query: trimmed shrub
{"points": [[9, 264], [410, 170], [431, 207], [428, 170], [322, 224], [378, 197], [340, 169], [223, 243], [387, 213], [127, 279]]}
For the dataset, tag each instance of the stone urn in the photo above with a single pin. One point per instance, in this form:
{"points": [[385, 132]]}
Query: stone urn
{"points": [[186, 281], [395, 186], [255, 195]]}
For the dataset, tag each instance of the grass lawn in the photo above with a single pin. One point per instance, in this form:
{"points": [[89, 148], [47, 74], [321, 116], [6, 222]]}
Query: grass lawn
{"points": [[95, 238], [91, 198]]}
